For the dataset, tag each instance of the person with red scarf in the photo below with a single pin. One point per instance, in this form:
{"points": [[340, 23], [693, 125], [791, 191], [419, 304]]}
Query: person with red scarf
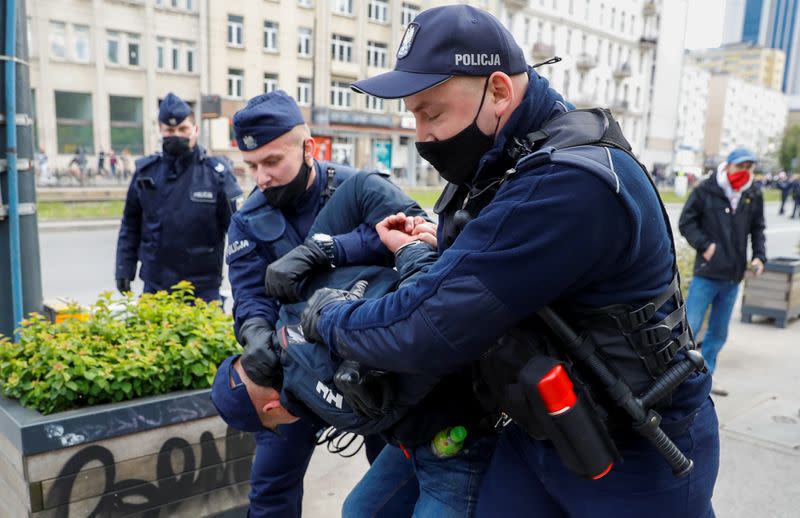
{"points": [[720, 215]]}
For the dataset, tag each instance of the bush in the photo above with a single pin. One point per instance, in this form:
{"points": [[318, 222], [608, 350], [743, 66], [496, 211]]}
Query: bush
{"points": [[127, 348], [685, 255]]}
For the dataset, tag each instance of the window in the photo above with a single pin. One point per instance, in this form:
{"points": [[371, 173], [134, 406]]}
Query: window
{"points": [[160, 53], [374, 104], [304, 42], [270, 83], [235, 31], [341, 95], [408, 12], [342, 150], [190, 57], [126, 124], [271, 36], [133, 50], [376, 54], [401, 108], [303, 91], [526, 30], [80, 40], [622, 21], [378, 11], [112, 47], [74, 122], [342, 48], [175, 60], [305, 3], [343, 7], [235, 81], [190, 5], [569, 41]]}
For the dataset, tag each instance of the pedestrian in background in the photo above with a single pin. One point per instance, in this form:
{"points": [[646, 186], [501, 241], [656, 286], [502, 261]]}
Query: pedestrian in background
{"points": [[721, 213], [784, 185]]}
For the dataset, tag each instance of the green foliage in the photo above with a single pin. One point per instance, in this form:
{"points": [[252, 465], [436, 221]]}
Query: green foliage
{"points": [[685, 255], [127, 348], [790, 148], [66, 210]]}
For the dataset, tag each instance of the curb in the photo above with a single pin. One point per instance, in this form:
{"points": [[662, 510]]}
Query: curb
{"points": [[72, 225]]}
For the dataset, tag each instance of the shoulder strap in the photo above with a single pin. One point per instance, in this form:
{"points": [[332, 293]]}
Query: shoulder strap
{"points": [[147, 161]]}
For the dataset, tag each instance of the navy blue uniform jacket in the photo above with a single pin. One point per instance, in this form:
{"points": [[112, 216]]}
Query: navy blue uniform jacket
{"points": [[175, 218], [551, 233]]}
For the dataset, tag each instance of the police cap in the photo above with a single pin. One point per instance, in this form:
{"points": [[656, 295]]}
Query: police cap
{"points": [[265, 118], [233, 402], [442, 42], [173, 110]]}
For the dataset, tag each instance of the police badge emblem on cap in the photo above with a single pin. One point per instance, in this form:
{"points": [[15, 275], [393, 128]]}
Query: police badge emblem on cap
{"points": [[219, 168], [172, 121], [249, 141], [408, 39]]}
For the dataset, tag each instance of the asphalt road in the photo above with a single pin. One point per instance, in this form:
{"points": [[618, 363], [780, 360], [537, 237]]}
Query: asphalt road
{"points": [[80, 263]]}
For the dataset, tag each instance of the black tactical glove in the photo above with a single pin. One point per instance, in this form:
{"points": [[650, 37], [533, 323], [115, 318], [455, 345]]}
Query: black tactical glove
{"points": [[124, 286], [321, 298], [284, 276], [369, 392], [261, 357]]}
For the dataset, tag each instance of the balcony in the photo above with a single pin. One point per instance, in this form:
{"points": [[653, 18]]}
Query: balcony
{"points": [[584, 100], [620, 107], [648, 42], [622, 72], [649, 9], [516, 4], [542, 51], [585, 62]]}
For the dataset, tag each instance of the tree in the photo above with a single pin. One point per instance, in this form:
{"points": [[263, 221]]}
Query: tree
{"points": [[790, 148]]}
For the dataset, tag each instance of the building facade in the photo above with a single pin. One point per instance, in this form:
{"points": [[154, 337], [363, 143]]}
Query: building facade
{"points": [[313, 50], [100, 68], [692, 112], [751, 62], [743, 114], [606, 49], [773, 24]]}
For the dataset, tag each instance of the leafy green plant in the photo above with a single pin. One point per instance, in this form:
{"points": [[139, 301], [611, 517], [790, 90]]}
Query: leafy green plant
{"points": [[127, 348]]}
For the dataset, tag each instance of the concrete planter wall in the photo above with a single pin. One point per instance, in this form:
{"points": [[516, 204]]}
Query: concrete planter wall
{"points": [[774, 294], [165, 456]]}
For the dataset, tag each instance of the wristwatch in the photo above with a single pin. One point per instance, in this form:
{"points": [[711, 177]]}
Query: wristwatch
{"points": [[326, 244]]}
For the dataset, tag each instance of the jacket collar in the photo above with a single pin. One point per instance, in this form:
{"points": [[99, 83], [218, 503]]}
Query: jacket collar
{"points": [[540, 104]]}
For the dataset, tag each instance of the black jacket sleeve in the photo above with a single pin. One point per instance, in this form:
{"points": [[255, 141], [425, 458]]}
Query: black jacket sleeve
{"points": [[757, 237], [130, 232], [690, 223]]}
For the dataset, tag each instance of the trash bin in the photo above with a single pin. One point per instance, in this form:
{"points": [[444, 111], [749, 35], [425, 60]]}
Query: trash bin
{"points": [[776, 293]]}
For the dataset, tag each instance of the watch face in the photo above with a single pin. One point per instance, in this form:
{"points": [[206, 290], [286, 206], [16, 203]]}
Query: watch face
{"points": [[322, 238]]}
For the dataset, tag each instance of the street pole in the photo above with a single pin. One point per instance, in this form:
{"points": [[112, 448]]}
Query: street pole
{"points": [[20, 272]]}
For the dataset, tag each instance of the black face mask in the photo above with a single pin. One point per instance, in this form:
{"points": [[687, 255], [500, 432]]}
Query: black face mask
{"points": [[176, 146], [284, 196], [456, 159]]}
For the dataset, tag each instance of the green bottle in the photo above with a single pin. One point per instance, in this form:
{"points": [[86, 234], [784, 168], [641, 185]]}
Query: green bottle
{"points": [[448, 442]]}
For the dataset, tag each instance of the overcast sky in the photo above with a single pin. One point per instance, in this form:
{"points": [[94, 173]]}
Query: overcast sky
{"points": [[704, 26]]}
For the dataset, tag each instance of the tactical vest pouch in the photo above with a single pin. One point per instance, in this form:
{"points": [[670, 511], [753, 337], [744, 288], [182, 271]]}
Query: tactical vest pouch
{"points": [[578, 431]]}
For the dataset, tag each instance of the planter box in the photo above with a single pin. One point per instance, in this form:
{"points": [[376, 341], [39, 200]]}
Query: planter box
{"points": [[776, 293], [167, 455]]}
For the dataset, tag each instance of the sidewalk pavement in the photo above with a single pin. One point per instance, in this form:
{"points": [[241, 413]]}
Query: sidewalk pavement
{"points": [[759, 431]]}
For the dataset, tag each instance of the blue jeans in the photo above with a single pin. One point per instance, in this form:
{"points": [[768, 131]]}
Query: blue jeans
{"points": [[527, 478], [721, 296], [448, 488], [279, 465]]}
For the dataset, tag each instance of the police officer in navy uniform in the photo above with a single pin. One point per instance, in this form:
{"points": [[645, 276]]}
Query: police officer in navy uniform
{"points": [[178, 208], [274, 228], [549, 228]]}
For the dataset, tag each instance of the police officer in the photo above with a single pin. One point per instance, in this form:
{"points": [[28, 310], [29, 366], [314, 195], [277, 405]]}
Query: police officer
{"points": [[178, 208], [542, 208], [274, 229]]}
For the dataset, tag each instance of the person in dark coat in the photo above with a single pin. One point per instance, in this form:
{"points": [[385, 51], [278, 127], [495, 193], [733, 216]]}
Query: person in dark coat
{"points": [[717, 220]]}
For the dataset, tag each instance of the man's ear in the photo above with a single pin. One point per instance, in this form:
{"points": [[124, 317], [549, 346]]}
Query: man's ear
{"points": [[272, 404], [309, 146], [502, 92]]}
